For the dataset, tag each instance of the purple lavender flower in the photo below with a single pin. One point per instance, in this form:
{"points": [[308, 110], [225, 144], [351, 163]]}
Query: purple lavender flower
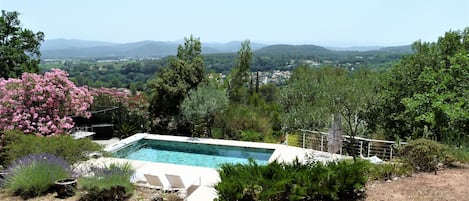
{"points": [[30, 159]]}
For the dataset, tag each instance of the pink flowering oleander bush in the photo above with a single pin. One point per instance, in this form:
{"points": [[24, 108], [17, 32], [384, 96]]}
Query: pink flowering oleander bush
{"points": [[42, 104], [104, 99]]}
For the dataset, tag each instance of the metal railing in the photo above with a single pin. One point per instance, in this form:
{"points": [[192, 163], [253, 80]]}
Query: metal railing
{"points": [[365, 147], [81, 128]]}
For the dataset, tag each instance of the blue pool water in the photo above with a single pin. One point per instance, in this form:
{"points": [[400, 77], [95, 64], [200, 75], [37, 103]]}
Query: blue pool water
{"points": [[193, 154]]}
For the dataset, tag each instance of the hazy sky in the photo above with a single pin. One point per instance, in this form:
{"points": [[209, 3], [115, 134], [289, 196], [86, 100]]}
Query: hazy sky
{"points": [[321, 22]]}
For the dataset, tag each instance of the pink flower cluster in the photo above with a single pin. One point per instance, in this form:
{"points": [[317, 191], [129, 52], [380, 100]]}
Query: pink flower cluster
{"points": [[110, 96], [42, 104]]}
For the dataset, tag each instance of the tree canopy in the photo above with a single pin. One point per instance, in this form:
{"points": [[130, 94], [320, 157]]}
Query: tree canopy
{"points": [[312, 96], [172, 84], [240, 74], [202, 104], [19, 47], [427, 93]]}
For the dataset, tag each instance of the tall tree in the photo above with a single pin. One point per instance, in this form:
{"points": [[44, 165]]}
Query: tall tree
{"points": [[240, 75], [19, 47], [313, 96], [426, 94], [172, 84], [300, 99]]}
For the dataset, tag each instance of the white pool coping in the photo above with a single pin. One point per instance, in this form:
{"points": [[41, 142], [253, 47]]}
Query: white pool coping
{"points": [[209, 176]]}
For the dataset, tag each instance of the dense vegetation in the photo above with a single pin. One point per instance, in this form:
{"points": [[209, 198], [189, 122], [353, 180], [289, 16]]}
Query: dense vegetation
{"points": [[426, 94], [135, 74], [16, 144], [343, 180], [422, 95], [111, 182]]}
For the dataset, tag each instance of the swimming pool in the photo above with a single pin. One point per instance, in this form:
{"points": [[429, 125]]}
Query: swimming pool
{"points": [[193, 154]]}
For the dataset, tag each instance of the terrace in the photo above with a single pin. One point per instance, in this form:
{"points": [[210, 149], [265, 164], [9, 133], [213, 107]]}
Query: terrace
{"points": [[209, 176]]}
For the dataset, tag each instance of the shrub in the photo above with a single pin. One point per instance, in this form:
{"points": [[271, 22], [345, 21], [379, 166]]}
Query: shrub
{"points": [[65, 146], [293, 140], [42, 104], [242, 118], [342, 180], [109, 183], [460, 154], [273, 138], [387, 171], [217, 133], [126, 130], [423, 154], [251, 136], [35, 174]]}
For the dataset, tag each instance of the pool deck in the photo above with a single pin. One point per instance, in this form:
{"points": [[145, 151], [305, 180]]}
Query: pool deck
{"points": [[208, 176]]}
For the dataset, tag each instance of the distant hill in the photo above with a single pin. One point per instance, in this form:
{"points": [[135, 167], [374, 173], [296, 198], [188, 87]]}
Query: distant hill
{"points": [[217, 52], [232, 46], [406, 49], [292, 50], [356, 48], [58, 44], [63, 48]]}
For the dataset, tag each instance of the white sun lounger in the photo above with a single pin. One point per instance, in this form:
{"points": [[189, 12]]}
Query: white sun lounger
{"points": [[194, 186], [175, 182], [153, 181]]}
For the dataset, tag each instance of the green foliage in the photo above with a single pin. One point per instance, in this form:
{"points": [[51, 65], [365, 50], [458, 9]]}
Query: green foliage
{"points": [[387, 171], [293, 140], [217, 133], [126, 130], [274, 138], [342, 180], [424, 154], [132, 75], [242, 118], [109, 183], [201, 106], [35, 175], [19, 144], [112, 104], [427, 92], [460, 154], [172, 84], [288, 57], [300, 100], [312, 96], [239, 77], [19, 47], [251, 136]]}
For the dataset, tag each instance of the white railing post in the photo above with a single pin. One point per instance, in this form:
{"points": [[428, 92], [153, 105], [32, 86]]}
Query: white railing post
{"points": [[390, 153], [304, 139], [369, 148], [361, 148], [322, 141]]}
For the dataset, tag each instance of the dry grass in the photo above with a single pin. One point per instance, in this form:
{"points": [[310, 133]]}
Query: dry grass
{"points": [[449, 184]]}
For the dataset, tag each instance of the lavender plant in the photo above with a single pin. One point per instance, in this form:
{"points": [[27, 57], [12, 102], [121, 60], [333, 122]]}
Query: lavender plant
{"points": [[34, 174], [109, 183]]}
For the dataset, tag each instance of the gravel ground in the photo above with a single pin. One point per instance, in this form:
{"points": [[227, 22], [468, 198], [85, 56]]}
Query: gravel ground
{"points": [[449, 184]]}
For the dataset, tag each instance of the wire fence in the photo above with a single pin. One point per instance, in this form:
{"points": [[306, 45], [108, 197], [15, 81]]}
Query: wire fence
{"points": [[365, 147]]}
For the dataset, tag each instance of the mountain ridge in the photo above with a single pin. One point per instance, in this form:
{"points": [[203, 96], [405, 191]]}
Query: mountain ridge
{"points": [[74, 48]]}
